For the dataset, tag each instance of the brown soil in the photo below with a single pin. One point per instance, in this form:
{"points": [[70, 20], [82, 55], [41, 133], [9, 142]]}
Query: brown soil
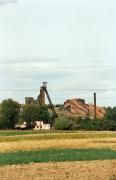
{"points": [[85, 170]]}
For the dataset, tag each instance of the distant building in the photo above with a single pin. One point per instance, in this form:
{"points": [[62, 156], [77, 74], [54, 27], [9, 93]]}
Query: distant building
{"points": [[40, 125], [29, 100]]}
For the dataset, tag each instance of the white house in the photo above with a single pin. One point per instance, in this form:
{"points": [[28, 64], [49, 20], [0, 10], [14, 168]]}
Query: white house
{"points": [[41, 125], [38, 125]]}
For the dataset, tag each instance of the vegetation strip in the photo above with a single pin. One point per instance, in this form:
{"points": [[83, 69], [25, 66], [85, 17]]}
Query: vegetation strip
{"points": [[56, 155], [48, 136], [39, 132]]}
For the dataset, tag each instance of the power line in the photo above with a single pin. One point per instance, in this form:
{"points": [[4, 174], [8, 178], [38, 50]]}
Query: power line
{"points": [[84, 89], [63, 67], [62, 89], [75, 67], [38, 65]]}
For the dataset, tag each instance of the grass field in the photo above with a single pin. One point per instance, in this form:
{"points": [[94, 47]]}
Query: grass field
{"points": [[56, 155], [17, 147]]}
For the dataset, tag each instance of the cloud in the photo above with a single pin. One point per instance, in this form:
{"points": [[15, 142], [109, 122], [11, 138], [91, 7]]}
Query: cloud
{"points": [[7, 1]]}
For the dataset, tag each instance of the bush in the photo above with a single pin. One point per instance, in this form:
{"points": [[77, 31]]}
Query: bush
{"points": [[62, 123]]}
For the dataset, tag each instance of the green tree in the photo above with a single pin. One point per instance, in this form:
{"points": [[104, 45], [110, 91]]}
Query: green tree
{"points": [[108, 125], [32, 113], [9, 112], [89, 124], [110, 113], [44, 114]]}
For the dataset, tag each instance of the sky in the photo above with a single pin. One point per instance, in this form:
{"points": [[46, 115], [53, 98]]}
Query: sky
{"points": [[68, 43]]}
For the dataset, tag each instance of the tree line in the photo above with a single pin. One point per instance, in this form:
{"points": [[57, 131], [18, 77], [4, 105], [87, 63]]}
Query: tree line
{"points": [[11, 113]]}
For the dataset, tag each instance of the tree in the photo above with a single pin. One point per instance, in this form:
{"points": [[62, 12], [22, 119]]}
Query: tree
{"points": [[88, 124], [32, 113], [43, 114], [108, 125], [9, 112], [110, 113]]}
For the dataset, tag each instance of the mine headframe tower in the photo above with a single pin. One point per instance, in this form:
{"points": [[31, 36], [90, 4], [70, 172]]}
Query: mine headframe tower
{"points": [[43, 91]]}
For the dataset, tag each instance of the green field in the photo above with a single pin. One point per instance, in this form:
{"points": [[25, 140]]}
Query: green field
{"points": [[56, 155]]}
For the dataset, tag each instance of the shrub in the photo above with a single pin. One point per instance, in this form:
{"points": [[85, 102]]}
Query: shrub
{"points": [[62, 123]]}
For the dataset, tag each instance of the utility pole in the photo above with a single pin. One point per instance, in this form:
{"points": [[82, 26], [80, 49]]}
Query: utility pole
{"points": [[94, 105]]}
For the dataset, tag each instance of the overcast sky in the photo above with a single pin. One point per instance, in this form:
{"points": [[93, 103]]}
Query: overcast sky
{"points": [[36, 34]]}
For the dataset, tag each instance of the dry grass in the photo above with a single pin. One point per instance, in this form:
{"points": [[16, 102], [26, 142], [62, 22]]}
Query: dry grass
{"points": [[86, 170], [58, 143]]}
